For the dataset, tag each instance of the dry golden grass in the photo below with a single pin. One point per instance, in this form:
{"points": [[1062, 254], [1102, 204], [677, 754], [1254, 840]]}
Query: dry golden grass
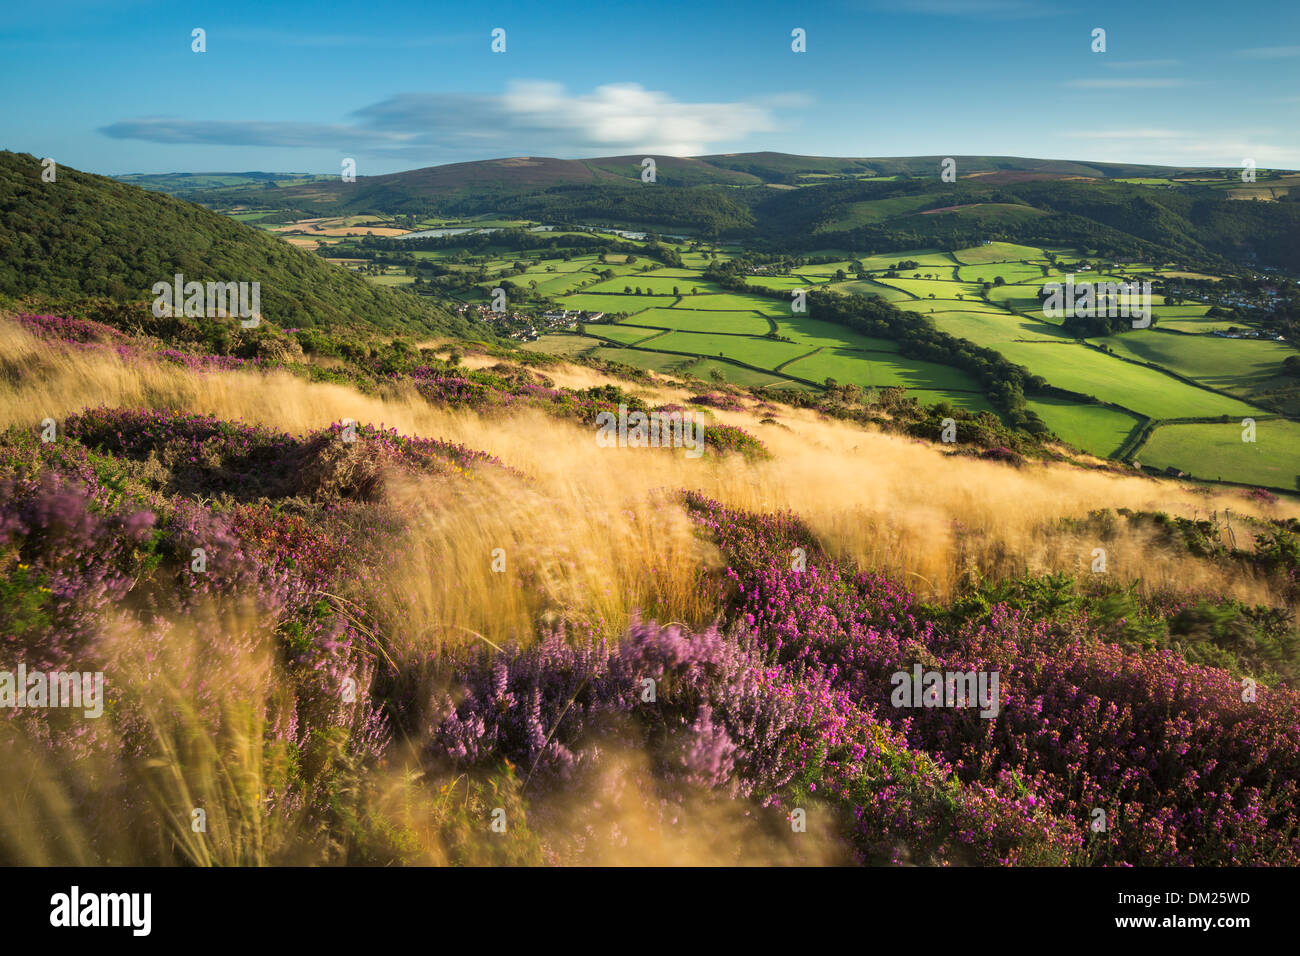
{"points": [[883, 500], [596, 535]]}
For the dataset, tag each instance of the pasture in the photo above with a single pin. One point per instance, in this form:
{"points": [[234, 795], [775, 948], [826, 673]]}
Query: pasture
{"points": [[697, 320], [1146, 391], [1216, 451], [1094, 428]]}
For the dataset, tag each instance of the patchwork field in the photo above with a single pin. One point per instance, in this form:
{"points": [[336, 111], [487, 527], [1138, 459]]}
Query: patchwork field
{"points": [[719, 332], [997, 252], [1143, 390], [1233, 365], [1217, 452], [698, 320], [1095, 428], [615, 303], [882, 369]]}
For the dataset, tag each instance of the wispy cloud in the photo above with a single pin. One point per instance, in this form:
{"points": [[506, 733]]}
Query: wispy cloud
{"points": [[1128, 83], [530, 117], [1269, 52], [165, 129], [1189, 147], [1126, 134], [290, 38], [980, 9], [1139, 64]]}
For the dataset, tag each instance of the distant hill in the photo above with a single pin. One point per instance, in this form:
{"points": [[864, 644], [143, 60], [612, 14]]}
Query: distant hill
{"points": [[518, 174], [810, 202], [86, 235]]}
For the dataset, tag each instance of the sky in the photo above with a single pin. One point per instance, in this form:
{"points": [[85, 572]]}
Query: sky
{"points": [[116, 87]]}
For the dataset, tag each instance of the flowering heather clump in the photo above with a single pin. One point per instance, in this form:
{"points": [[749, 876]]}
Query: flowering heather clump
{"points": [[1003, 454], [1261, 495], [206, 363], [454, 390], [199, 453], [290, 540], [69, 329], [728, 438], [94, 580], [76, 562], [722, 720], [717, 400], [1191, 771]]}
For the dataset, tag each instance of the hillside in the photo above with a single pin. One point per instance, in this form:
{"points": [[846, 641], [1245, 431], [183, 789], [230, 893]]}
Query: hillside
{"points": [[808, 202], [85, 235], [495, 591]]}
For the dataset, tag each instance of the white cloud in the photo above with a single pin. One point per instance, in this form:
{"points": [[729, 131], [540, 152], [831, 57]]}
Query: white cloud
{"points": [[628, 116], [530, 118]]}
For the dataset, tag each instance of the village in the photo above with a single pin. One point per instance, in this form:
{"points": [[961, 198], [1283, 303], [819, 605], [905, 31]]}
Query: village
{"points": [[526, 327]]}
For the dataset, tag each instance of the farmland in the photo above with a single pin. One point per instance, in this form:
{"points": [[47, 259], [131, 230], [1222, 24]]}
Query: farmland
{"points": [[678, 319], [1218, 452]]}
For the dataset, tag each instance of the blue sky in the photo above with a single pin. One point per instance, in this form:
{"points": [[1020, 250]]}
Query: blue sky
{"points": [[114, 87]]}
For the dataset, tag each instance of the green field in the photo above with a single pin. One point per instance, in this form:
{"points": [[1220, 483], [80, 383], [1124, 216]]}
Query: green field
{"points": [[555, 283], [749, 378], [1019, 295], [1234, 365], [1217, 452], [940, 289], [566, 345], [996, 252], [651, 361], [623, 334], [782, 283], [826, 270], [869, 287], [654, 283], [615, 303], [1094, 428], [696, 320], [882, 369], [928, 306], [764, 353], [1143, 390], [816, 334], [990, 329], [739, 301], [1011, 272]]}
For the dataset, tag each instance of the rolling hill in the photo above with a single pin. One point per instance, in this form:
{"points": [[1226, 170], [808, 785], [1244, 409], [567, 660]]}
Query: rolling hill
{"points": [[809, 202], [85, 235]]}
